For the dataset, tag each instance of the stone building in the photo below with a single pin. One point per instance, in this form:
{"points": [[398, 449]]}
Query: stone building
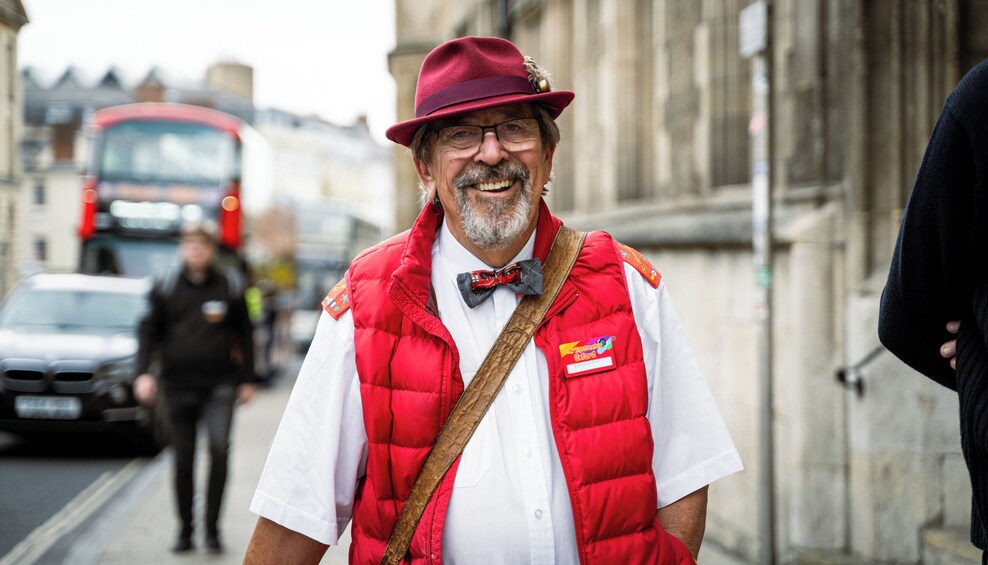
{"points": [[53, 152], [328, 180], [313, 160], [655, 150], [12, 18]]}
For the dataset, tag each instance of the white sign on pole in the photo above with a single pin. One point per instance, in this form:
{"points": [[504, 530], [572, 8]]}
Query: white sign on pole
{"points": [[753, 29]]}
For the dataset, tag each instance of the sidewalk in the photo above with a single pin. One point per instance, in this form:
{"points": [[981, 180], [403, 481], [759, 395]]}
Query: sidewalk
{"points": [[141, 530], [148, 528]]}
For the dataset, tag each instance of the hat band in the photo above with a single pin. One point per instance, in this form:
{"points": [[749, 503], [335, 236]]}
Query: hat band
{"points": [[474, 90]]}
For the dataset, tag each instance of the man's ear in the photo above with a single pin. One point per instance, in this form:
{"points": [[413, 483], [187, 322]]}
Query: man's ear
{"points": [[549, 152], [424, 171], [427, 180]]}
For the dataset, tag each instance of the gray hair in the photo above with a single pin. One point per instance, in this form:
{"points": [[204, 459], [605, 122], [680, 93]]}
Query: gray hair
{"points": [[423, 144]]}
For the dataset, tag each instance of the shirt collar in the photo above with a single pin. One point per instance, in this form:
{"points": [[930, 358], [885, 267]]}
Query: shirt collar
{"points": [[459, 259]]}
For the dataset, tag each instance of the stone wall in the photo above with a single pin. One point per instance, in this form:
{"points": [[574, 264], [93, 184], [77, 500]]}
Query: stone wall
{"points": [[12, 17]]}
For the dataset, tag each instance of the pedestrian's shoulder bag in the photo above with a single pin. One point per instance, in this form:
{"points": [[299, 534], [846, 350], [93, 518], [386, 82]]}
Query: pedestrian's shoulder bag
{"points": [[477, 398]]}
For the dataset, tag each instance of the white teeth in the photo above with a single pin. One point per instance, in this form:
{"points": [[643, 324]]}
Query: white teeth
{"points": [[485, 186]]}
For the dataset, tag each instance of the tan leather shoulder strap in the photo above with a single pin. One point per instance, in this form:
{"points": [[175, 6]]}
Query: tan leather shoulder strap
{"points": [[478, 397]]}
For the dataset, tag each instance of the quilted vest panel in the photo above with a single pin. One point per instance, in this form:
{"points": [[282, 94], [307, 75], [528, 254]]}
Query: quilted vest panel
{"points": [[409, 380]]}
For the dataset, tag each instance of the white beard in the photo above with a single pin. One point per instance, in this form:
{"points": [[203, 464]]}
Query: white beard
{"points": [[495, 222]]}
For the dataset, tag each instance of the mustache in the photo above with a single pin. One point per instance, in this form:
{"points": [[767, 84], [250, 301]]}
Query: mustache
{"points": [[485, 173]]}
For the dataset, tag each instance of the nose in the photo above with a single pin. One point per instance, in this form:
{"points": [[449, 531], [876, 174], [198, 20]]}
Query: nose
{"points": [[491, 151]]}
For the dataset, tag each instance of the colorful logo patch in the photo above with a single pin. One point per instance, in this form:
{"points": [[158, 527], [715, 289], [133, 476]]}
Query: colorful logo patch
{"points": [[632, 257], [337, 302], [588, 357]]}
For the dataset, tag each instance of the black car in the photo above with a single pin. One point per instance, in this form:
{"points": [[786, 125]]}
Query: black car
{"points": [[68, 346]]}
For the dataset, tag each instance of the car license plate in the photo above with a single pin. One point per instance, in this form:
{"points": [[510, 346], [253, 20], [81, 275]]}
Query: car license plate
{"points": [[48, 407]]}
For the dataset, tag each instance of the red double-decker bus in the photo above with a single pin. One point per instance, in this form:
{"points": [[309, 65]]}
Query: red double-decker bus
{"points": [[153, 166]]}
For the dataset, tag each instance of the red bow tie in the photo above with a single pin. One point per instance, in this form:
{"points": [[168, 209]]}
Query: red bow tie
{"points": [[523, 277]]}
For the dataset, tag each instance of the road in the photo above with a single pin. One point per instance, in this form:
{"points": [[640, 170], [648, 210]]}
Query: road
{"points": [[63, 497], [50, 486]]}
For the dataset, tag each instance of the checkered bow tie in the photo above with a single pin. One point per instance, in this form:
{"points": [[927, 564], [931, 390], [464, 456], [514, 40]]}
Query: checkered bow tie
{"points": [[523, 277]]}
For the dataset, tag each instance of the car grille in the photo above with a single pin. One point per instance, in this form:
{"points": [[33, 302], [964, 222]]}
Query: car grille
{"points": [[72, 382], [61, 382], [27, 376], [73, 377], [24, 380]]}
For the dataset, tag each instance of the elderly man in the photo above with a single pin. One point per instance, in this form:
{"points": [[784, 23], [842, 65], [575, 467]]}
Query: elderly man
{"points": [[576, 461]]}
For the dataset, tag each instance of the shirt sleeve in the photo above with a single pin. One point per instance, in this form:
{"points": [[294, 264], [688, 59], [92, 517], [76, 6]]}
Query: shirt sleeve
{"points": [[320, 450], [692, 445], [931, 263], [149, 331]]}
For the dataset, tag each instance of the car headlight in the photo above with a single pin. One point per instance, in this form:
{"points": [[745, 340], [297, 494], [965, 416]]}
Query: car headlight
{"points": [[120, 370]]}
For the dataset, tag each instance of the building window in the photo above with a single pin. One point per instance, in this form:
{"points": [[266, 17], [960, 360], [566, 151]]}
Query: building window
{"points": [[730, 106], [11, 70], [63, 142], [38, 193], [40, 249]]}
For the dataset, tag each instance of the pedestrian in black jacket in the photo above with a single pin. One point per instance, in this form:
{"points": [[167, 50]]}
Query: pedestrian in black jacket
{"points": [[197, 323], [939, 274]]}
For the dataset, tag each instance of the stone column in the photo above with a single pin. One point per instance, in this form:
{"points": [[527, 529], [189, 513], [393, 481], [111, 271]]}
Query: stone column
{"points": [[557, 45], [421, 25], [404, 68]]}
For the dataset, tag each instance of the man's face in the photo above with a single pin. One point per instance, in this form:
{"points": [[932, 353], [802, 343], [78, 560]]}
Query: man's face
{"points": [[197, 252], [490, 192]]}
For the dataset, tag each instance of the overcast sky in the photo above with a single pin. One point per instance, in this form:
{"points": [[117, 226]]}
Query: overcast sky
{"points": [[325, 57]]}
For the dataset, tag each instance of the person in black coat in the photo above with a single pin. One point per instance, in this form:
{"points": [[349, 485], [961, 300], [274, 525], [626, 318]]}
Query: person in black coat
{"points": [[938, 280], [197, 322]]}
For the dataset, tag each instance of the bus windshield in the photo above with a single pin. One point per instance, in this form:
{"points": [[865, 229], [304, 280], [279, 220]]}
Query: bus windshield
{"points": [[109, 254], [166, 151]]}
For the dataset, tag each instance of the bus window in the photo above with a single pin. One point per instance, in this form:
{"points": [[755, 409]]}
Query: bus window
{"points": [[132, 257], [111, 254], [148, 151]]}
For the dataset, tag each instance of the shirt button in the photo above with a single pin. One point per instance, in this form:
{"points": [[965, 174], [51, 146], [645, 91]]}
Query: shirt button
{"points": [[516, 389], [527, 452], [538, 514]]}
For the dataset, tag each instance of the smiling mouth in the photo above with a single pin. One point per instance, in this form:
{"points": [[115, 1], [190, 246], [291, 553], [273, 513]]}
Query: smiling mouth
{"points": [[498, 186]]}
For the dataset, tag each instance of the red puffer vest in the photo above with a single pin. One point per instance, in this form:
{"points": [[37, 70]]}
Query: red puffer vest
{"points": [[410, 379]]}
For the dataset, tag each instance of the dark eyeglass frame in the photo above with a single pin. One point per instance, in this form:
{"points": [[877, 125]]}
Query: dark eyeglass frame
{"points": [[502, 136]]}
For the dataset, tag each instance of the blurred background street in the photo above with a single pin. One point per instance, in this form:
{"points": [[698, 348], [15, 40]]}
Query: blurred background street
{"points": [[102, 506], [760, 161]]}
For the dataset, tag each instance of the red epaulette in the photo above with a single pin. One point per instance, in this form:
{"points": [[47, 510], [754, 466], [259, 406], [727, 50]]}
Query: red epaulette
{"points": [[337, 302], [632, 257]]}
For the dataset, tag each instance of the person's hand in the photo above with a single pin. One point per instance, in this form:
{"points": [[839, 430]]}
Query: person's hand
{"points": [[145, 388], [245, 392], [949, 349]]}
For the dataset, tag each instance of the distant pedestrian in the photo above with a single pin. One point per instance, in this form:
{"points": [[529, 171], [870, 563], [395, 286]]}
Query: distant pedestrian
{"points": [[269, 323], [938, 282], [197, 324]]}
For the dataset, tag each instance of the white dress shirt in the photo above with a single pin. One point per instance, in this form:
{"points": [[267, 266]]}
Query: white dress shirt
{"points": [[510, 503]]}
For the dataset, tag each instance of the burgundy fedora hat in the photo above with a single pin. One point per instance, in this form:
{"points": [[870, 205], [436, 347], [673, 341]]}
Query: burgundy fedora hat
{"points": [[473, 73]]}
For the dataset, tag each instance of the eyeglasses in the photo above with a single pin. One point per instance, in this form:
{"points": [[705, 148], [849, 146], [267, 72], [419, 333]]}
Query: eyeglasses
{"points": [[514, 135]]}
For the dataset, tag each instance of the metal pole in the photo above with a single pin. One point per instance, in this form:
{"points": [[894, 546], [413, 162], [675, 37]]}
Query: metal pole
{"points": [[762, 247], [755, 43]]}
